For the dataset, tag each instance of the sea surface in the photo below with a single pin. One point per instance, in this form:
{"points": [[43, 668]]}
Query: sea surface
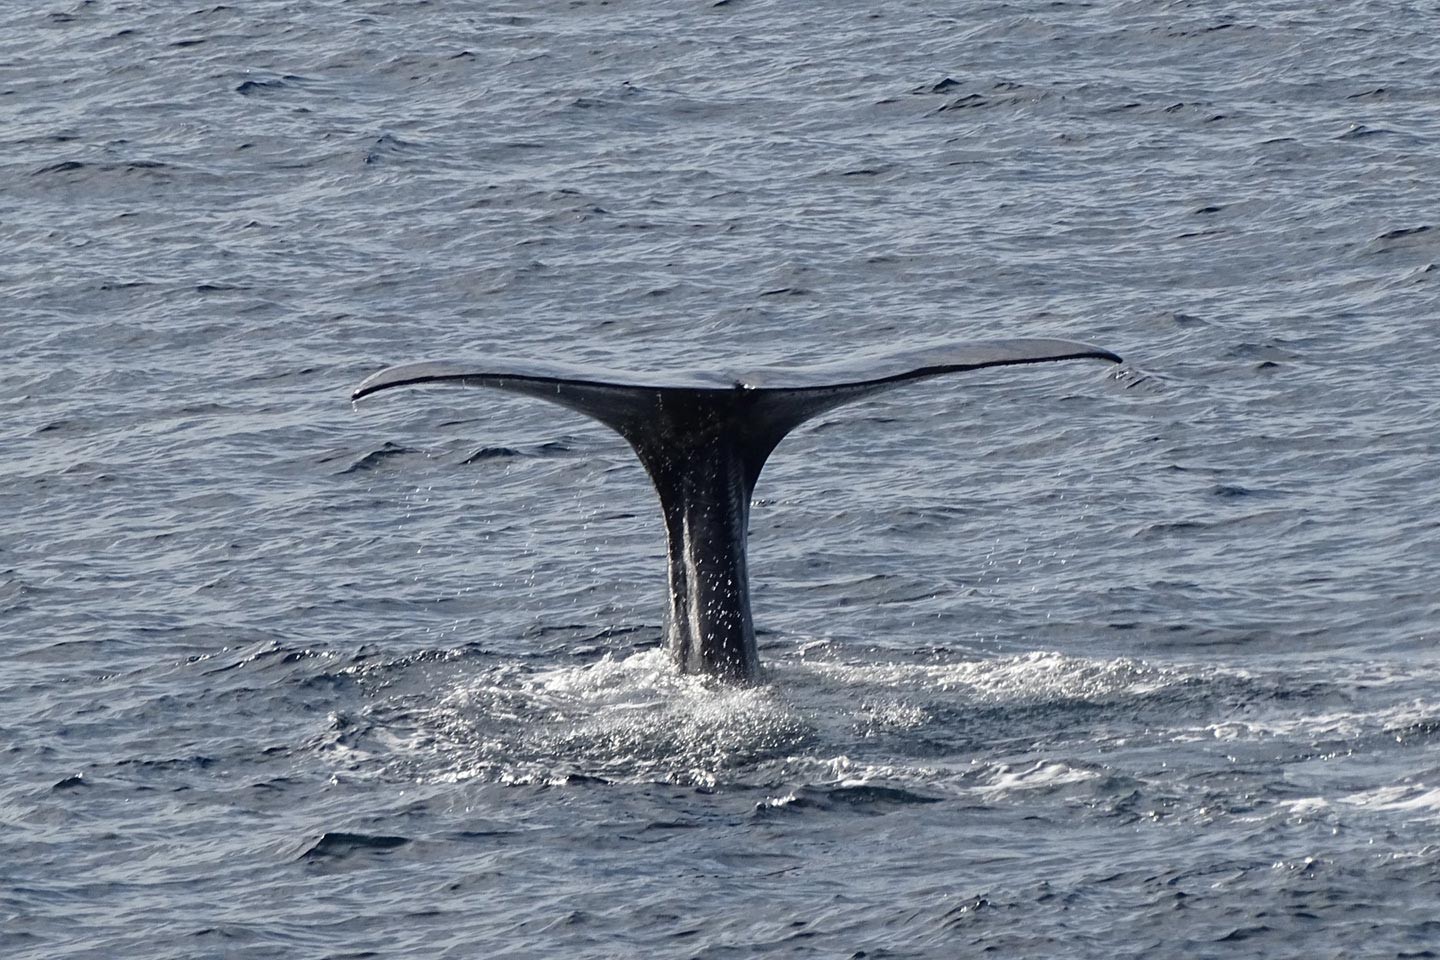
{"points": [[1073, 661]]}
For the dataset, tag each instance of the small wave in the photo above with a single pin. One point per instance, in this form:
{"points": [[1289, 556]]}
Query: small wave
{"points": [[1404, 232], [849, 795], [1359, 131], [386, 147], [547, 449], [1417, 238], [1130, 377], [255, 87], [943, 85], [368, 461], [1275, 717], [336, 845], [65, 166], [492, 453], [1000, 94], [1408, 798], [72, 172]]}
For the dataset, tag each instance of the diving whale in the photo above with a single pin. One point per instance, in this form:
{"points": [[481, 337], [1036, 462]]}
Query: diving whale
{"points": [[703, 438]]}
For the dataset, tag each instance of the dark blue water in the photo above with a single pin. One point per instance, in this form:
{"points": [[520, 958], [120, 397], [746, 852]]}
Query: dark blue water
{"points": [[1060, 662]]}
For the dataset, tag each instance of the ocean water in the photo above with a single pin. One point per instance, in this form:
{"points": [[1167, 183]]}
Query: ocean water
{"points": [[1061, 662]]}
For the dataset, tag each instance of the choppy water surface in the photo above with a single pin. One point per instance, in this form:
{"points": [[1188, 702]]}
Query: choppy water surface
{"points": [[1061, 663]]}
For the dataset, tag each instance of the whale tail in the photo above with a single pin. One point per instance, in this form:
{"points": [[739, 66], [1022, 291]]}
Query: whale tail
{"points": [[704, 438]]}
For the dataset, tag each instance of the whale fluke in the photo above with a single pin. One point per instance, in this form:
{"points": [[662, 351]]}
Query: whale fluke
{"points": [[703, 437]]}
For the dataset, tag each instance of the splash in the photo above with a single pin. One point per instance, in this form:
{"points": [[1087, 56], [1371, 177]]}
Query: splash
{"points": [[632, 719], [636, 719]]}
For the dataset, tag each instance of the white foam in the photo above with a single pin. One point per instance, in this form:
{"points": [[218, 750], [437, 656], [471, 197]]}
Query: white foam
{"points": [[1414, 798], [822, 721], [1307, 806], [1029, 677], [635, 718], [632, 718], [1042, 775], [1275, 721]]}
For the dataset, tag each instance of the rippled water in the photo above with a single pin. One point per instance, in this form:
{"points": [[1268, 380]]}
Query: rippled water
{"points": [[1060, 663]]}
